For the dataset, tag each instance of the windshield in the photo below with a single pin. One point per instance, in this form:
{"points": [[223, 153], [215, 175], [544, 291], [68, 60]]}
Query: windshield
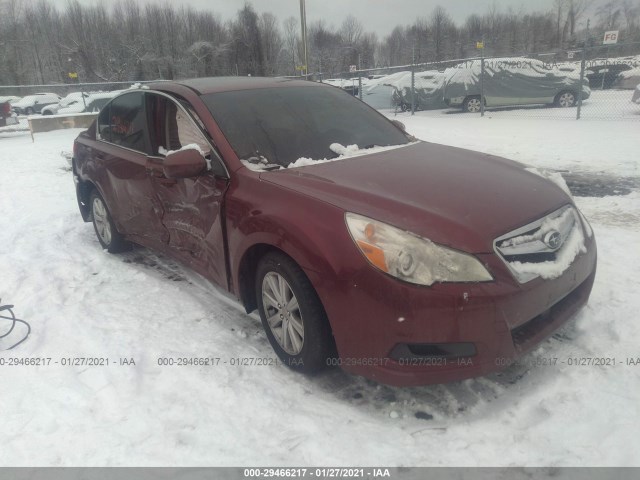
{"points": [[285, 124]]}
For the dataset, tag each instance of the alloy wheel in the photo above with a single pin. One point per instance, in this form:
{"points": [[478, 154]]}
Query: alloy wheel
{"points": [[566, 100], [101, 220], [473, 105], [283, 313]]}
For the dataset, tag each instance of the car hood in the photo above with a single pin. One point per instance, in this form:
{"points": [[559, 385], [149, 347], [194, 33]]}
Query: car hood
{"points": [[455, 197]]}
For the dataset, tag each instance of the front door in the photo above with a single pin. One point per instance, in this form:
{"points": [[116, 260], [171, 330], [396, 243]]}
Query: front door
{"points": [[191, 207]]}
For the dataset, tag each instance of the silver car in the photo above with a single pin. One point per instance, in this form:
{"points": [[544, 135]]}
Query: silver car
{"points": [[512, 81]]}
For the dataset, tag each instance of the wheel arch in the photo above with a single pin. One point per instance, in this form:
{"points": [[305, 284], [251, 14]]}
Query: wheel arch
{"points": [[83, 192]]}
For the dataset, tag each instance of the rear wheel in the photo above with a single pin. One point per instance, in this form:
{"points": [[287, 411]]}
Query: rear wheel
{"points": [[565, 99], [292, 315], [106, 231], [471, 104]]}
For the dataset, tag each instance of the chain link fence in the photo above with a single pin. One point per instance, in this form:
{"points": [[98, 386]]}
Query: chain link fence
{"points": [[597, 82]]}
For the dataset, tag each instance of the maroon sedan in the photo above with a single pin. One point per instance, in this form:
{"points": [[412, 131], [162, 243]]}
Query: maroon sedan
{"points": [[404, 261]]}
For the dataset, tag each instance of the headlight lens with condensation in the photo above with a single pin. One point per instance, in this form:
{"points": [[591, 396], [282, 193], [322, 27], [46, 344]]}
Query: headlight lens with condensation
{"points": [[410, 257]]}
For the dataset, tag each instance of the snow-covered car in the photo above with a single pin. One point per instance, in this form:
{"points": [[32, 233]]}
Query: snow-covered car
{"points": [[636, 95], [91, 104], [6, 118], [428, 88], [35, 103], [512, 81], [628, 80], [602, 77], [405, 261], [70, 99], [11, 99]]}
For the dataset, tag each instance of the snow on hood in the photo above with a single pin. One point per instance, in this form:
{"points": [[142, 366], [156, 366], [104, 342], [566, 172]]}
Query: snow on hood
{"points": [[555, 177], [341, 150]]}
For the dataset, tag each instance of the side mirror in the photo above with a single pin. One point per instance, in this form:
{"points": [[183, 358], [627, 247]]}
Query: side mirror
{"points": [[400, 125], [184, 164]]}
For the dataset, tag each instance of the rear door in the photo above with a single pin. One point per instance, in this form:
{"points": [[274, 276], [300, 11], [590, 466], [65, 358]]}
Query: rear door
{"points": [[121, 160], [192, 207]]}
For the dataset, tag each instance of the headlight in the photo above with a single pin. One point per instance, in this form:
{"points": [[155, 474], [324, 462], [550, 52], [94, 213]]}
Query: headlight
{"points": [[412, 258]]}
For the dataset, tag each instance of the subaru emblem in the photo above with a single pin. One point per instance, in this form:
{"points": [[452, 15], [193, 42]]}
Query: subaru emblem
{"points": [[552, 239]]}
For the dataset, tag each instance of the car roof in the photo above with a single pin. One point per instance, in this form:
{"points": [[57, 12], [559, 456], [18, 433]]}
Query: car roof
{"points": [[203, 86]]}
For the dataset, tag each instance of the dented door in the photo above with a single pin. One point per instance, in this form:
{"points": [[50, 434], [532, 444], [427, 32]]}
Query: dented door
{"points": [[191, 207]]}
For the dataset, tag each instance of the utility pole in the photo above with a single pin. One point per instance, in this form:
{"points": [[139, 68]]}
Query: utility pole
{"points": [[482, 78], [582, 65], [303, 21]]}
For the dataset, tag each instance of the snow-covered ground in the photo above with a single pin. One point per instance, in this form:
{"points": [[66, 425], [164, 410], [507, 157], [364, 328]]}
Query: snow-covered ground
{"points": [[83, 302]]}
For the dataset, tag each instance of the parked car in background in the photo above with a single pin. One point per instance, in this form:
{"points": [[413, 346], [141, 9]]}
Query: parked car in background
{"points": [[428, 88], [11, 99], [6, 117], [602, 77], [407, 262], [628, 80], [35, 103], [70, 99], [91, 104], [512, 81]]}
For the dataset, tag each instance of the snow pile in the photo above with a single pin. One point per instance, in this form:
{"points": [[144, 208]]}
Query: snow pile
{"points": [[262, 164], [555, 177], [343, 152]]}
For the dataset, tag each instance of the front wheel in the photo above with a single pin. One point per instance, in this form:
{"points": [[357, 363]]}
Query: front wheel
{"points": [[29, 111], [292, 315], [471, 104], [106, 231], [565, 99]]}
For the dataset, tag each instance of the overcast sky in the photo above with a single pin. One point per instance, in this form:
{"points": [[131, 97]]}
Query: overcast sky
{"points": [[379, 16]]}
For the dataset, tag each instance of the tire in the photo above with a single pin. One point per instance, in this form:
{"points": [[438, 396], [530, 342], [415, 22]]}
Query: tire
{"points": [[471, 104], [108, 236], [565, 99], [29, 111], [310, 343], [47, 112], [404, 107]]}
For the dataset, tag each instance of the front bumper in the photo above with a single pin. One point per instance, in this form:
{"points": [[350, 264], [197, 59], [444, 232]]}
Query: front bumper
{"points": [[375, 317]]}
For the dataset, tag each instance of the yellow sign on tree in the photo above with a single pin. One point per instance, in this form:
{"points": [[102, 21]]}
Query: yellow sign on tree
{"points": [[301, 67], [479, 45], [73, 74]]}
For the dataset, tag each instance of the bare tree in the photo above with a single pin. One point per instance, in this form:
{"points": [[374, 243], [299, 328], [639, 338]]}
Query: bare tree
{"points": [[271, 41], [441, 27], [290, 26]]}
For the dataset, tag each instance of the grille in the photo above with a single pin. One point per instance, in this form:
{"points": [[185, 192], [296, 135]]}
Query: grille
{"points": [[539, 242]]}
